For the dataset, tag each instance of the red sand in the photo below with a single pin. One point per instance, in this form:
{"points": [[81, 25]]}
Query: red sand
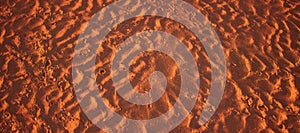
{"points": [[260, 40]]}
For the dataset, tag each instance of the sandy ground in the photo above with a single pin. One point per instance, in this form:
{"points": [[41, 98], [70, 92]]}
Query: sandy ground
{"points": [[261, 42]]}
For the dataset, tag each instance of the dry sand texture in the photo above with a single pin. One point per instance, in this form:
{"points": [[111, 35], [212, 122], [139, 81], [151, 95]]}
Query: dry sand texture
{"points": [[261, 43]]}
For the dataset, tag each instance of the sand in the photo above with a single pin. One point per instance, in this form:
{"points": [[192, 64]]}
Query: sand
{"points": [[261, 43]]}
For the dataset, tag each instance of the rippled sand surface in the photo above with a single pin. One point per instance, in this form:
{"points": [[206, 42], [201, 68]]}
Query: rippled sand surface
{"points": [[261, 40]]}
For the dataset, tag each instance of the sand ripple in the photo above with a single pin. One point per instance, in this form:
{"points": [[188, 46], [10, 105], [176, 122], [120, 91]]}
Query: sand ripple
{"points": [[260, 40]]}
